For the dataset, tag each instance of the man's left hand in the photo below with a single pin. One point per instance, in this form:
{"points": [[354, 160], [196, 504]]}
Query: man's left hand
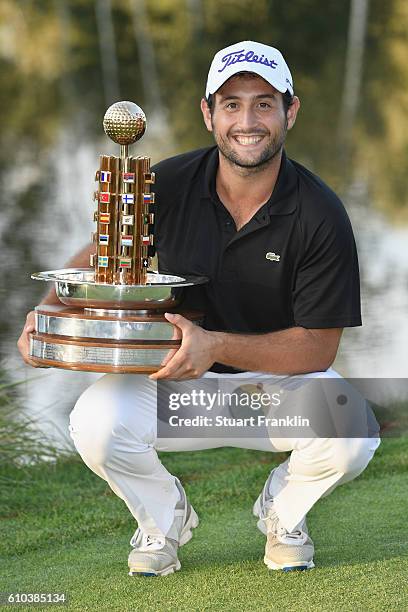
{"points": [[195, 355]]}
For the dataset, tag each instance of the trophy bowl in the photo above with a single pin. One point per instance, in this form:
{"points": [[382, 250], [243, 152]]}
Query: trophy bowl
{"points": [[77, 287]]}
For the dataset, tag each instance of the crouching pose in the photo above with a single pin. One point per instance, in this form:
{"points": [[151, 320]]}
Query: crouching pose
{"points": [[278, 248]]}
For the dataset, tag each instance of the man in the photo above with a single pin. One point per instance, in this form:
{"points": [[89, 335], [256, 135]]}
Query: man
{"points": [[278, 248]]}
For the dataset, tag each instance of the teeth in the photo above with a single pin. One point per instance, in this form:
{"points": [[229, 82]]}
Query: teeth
{"points": [[247, 140]]}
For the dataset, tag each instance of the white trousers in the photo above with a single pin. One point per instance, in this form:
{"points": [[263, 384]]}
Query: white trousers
{"points": [[114, 429]]}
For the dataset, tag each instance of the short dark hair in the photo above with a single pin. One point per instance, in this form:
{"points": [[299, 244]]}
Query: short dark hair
{"points": [[287, 99]]}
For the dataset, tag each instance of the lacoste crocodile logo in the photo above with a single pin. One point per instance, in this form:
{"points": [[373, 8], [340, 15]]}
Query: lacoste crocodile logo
{"points": [[272, 257]]}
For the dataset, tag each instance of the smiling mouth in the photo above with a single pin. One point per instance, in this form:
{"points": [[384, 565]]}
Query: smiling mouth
{"points": [[248, 140]]}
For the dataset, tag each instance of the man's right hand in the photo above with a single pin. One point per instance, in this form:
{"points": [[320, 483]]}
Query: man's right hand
{"points": [[80, 260], [24, 340]]}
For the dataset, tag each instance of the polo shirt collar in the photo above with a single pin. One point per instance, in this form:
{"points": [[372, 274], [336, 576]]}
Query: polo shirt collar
{"points": [[282, 200]]}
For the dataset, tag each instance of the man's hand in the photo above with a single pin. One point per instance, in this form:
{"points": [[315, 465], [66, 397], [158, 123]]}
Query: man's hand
{"points": [[195, 355], [24, 340], [288, 352], [80, 260]]}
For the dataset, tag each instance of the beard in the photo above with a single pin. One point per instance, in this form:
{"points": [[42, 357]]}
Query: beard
{"points": [[252, 163]]}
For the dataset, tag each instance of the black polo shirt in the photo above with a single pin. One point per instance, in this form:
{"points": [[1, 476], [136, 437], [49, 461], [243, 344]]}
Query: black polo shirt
{"points": [[293, 264]]}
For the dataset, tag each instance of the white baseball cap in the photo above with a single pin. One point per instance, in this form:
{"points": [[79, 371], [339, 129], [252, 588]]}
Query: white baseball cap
{"points": [[249, 56]]}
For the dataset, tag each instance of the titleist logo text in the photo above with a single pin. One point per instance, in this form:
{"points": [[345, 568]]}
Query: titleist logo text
{"points": [[249, 56]]}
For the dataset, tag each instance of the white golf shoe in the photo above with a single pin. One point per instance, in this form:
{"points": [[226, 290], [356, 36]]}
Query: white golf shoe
{"points": [[157, 556], [287, 551]]}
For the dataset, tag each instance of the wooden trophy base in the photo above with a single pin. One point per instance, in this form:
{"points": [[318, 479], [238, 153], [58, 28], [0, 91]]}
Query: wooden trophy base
{"points": [[92, 340]]}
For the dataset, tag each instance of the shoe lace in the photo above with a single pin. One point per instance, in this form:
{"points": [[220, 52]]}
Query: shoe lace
{"points": [[143, 541], [151, 542], [267, 510], [147, 542], [268, 514]]}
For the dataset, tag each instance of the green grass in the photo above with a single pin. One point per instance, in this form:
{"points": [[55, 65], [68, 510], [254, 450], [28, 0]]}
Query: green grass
{"points": [[62, 529], [21, 440]]}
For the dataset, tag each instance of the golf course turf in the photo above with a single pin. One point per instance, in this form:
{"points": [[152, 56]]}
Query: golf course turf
{"points": [[63, 530]]}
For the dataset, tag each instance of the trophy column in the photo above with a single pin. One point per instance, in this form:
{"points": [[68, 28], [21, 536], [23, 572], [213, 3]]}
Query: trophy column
{"points": [[125, 218]]}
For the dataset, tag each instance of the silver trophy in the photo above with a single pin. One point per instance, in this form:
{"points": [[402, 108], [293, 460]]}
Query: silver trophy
{"points": [[111, 317]]}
